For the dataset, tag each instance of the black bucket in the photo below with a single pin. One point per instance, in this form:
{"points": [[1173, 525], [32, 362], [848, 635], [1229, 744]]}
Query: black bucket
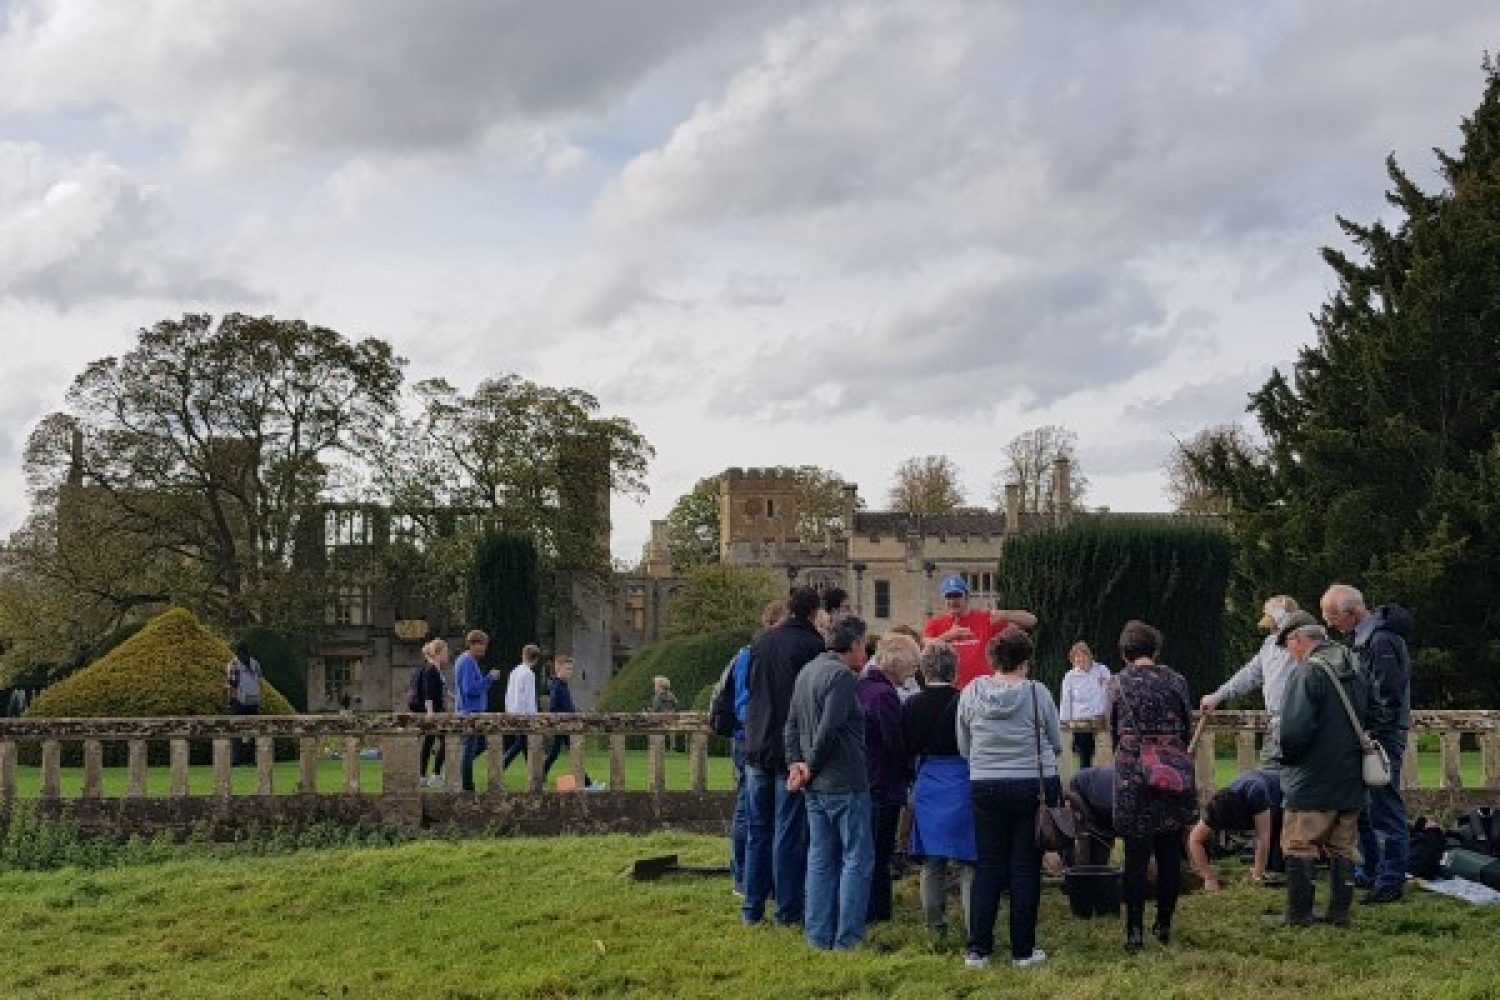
{"points": [[1093, 890]]}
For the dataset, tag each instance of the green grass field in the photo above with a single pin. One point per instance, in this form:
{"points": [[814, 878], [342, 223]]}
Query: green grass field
{"points": [[331, 775], [556, 918]]}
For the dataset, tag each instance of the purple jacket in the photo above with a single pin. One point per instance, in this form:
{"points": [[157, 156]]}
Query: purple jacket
{"points": [[885, 751]]}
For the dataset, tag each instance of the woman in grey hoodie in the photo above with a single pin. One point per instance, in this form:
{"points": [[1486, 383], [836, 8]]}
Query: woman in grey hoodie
{"points": [[1008, 730]]}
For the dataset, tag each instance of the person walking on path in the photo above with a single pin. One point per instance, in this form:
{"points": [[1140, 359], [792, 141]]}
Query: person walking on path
{"points": [[942, 829], [1267, 671], [1007, 728], [1083, 698], [776, 824], [472, 697], [969, 630], [429, 701], [520, 699], [1379, 640], [825, 751], [1151, 718], [1321, 777], [560, 701], [243, 676]]}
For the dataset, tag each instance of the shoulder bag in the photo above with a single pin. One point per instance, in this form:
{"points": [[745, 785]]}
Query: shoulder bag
{"points": [[1166, 767], [1055, 828], [1375, 766]]}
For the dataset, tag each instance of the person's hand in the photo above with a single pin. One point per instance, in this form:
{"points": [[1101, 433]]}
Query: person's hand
{"points": [[797, 777], [1052, 863], [1208, 704], [495, 674], [957, 632]]}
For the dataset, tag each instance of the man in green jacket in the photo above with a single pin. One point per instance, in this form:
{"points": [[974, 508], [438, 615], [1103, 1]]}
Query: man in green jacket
{"points": [[1321, 776]]}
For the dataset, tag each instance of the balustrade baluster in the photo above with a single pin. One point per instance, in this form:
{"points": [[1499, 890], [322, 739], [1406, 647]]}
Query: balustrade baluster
{"points": [[1489, 750], [536, 756], [617, 763], [656, 761], [307, 765], [179, 768], [1452, 771], [1245, 756], [93, 769], [699, 747], [453, 752], [1205, 763], [265, 765], [577, 746], [1411, 771], [495, 756], [1104, 748], [51, 769], [223, 767], [136, 766], [351, 765], [7, 771]]}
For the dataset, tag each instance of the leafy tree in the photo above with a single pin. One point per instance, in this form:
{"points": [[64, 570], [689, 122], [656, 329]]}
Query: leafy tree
{"points": [[926, 485], [722, 598], [1382, 458], [503, 596], [693, 522], [197, 451], [1029, 459], [1190, 490]]}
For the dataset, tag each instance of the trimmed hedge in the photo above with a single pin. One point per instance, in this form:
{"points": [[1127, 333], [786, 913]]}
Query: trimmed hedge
{"points": [[173, 666], [285, 670], [692, 663], [1087, 580]]}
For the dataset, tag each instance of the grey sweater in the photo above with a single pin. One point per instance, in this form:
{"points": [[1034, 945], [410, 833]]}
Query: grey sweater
{"points": [[997, 729], [825, 727]]}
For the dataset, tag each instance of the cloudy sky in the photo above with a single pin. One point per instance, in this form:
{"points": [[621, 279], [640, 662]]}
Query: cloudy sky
{"points": [[768, 232]]}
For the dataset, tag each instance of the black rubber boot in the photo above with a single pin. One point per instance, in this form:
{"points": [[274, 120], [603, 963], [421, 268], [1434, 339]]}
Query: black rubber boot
{"points": [[1340, 892], [1301, 890], [1163, 926], [1135, 919]]}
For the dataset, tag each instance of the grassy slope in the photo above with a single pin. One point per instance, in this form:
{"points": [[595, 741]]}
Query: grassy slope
{"points": [[331, 775], [555, 918]]}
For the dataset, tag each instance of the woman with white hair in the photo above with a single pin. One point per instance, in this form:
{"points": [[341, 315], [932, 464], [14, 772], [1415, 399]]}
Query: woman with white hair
{"points": [[942, 833]]}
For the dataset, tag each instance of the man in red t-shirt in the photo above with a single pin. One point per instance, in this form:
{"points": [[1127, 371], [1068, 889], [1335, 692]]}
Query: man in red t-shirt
{"points": [[969, 630]]}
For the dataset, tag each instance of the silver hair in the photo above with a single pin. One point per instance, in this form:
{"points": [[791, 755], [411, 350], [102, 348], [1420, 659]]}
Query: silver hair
{"points": [[1317, 632], [939, 661], [1344, 598]]}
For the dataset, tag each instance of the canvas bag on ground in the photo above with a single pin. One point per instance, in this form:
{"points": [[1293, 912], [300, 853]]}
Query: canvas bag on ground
{"points": [[1375, 766], [1055, 828]]}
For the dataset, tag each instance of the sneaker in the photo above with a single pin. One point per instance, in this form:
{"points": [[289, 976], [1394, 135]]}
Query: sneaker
{"points": [[974, 960], [1037, 957], [593, 786]]}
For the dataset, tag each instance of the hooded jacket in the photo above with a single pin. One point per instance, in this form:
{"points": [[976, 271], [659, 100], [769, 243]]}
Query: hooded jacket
{"points": [[1320, 752], [776, 657], [1380, 642], [997, 729]]}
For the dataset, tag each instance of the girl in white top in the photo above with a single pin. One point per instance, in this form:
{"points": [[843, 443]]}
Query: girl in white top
{"points": [[1083, 696]]}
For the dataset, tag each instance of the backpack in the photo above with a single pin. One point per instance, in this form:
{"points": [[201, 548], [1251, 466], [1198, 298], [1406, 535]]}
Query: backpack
{"points": [[721, 717], [1425, 849], [414, 690]]}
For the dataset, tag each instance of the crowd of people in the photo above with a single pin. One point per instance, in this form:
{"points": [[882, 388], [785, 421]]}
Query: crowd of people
{"points": [[939, 747]]}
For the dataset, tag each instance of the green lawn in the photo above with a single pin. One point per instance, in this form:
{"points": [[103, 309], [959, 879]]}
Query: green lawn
{"points": [[556, 918]]}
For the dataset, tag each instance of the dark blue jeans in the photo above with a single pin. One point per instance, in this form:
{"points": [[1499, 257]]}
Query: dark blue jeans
{"points": [[1005, 834], [775, 847], [884, 818], [738, 825], [1382, 824], [515, 746], [473, 746]]}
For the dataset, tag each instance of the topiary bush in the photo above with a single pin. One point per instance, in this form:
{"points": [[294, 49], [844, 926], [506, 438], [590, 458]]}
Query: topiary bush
{"points": [[285, 670], [692, 663], [173, 666]]}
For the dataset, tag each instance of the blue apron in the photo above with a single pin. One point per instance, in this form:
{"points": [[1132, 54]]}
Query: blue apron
{"points": [[942, 814]]}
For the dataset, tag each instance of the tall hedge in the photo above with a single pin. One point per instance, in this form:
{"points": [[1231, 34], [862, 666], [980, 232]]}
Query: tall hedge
{"points": [[691, 662], [503, 595], [173, 666], [285, 669], [1086, 580]]}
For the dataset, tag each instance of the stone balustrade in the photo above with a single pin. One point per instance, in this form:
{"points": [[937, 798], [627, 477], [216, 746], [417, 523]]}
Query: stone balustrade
{"points": [[1243, 730], [399, 800]]}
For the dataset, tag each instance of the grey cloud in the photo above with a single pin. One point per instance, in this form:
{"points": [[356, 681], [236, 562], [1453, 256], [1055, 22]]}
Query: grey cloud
{"points": [[973, 343], [250, 79], [1193, 406], [74, 230]]}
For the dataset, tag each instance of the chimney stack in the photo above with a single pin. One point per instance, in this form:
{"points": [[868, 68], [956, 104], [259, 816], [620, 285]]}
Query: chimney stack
{"points": [[1062, 490], [659, 554], [1012, 508]]}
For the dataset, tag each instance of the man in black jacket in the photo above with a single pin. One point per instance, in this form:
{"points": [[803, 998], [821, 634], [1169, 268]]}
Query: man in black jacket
{"points": [[1379, 640], [776, 819]]}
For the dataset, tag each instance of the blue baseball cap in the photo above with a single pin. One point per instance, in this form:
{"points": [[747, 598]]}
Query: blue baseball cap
{"points": [[955, 586]]}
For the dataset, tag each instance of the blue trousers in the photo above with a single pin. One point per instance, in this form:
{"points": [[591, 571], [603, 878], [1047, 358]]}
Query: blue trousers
{"points": [[1383, 831], [473, 746], [738, 826], [840, 863], [775, 846]]}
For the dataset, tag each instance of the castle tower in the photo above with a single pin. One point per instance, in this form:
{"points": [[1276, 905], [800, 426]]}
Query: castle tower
{"points": [[757, 514]]}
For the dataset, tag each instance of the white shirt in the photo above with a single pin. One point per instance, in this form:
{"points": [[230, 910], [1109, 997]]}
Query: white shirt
{"points": [[520, 691], [1084, 693]]}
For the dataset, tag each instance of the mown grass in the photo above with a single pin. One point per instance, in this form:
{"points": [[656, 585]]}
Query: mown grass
{"points": [[678, 767], [557, 918]]}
